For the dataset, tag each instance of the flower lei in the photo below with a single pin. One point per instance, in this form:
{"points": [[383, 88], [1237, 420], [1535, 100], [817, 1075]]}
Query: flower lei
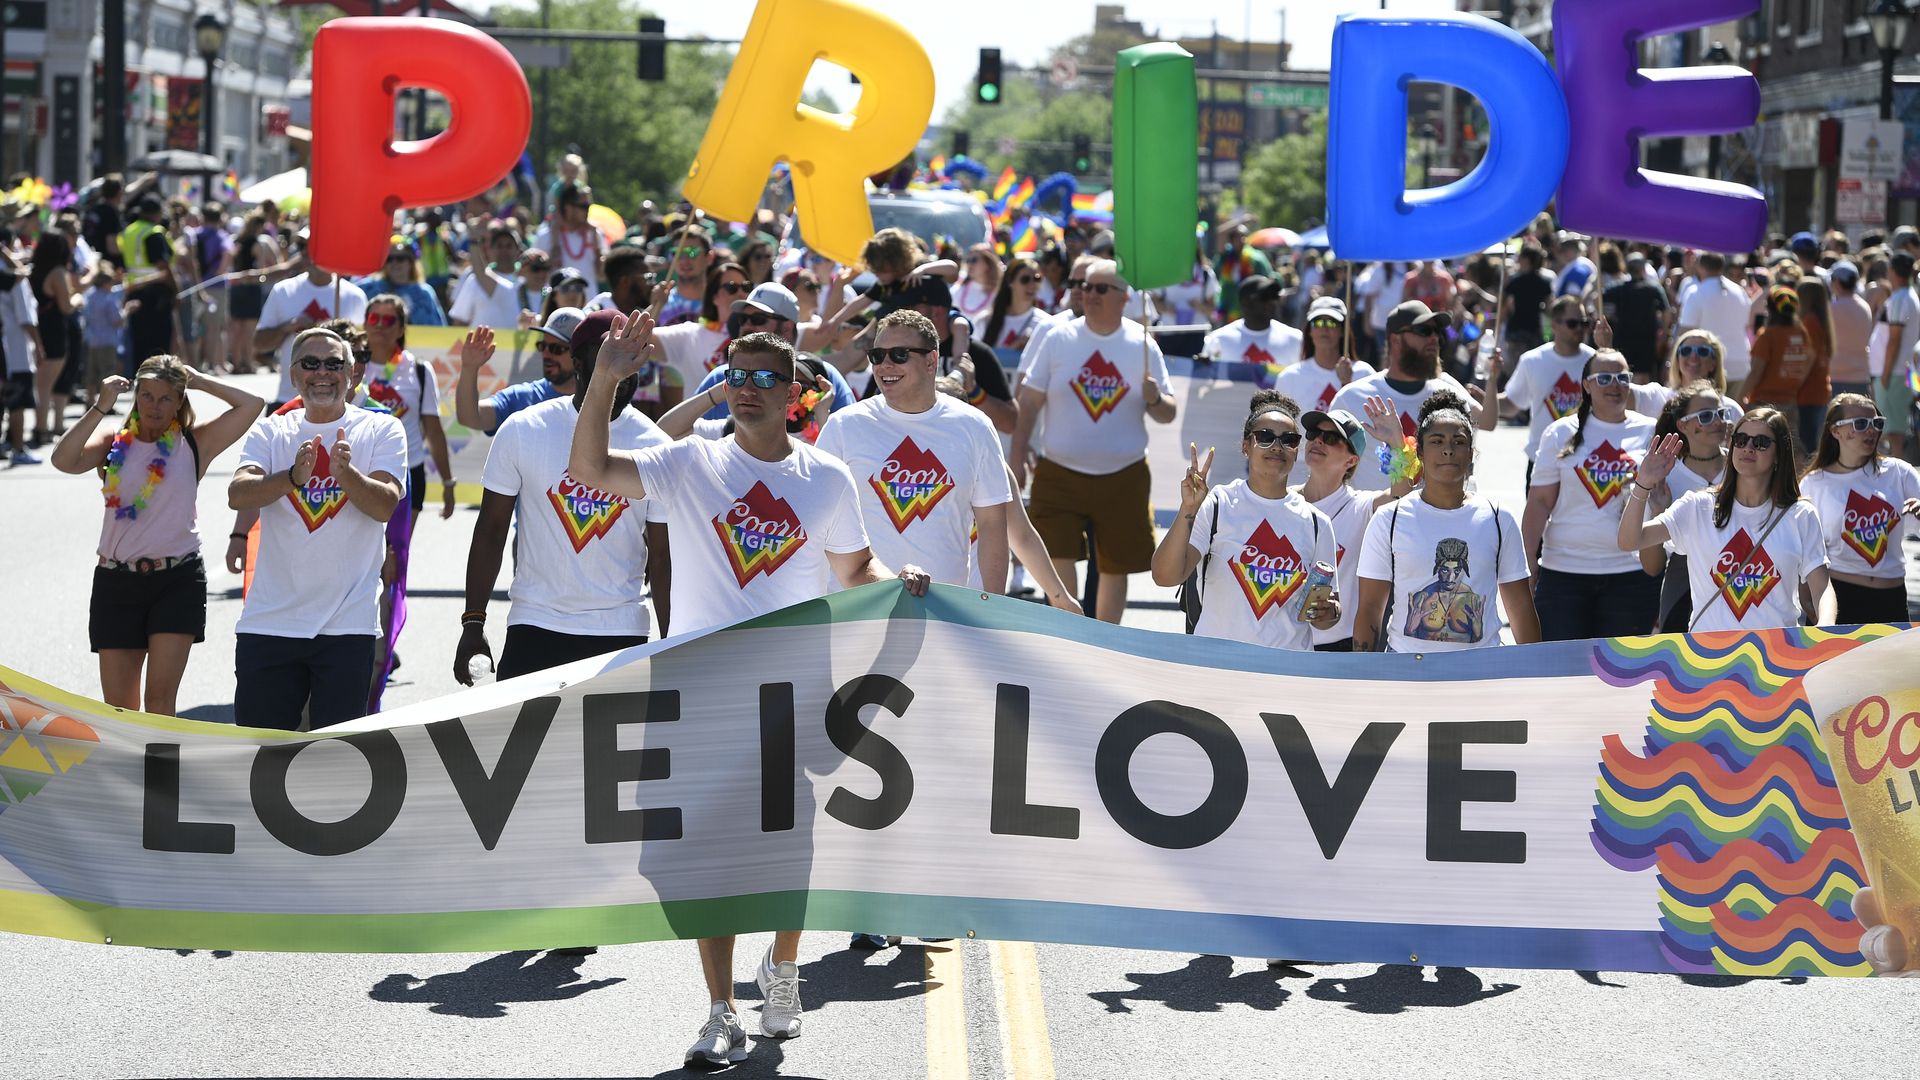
{"points": [[156, 469], [1399, 462], [804, 408]]}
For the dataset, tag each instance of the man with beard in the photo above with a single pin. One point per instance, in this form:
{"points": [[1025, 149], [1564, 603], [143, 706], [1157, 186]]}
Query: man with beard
{"points": [[556, 371], [1412, 376]]}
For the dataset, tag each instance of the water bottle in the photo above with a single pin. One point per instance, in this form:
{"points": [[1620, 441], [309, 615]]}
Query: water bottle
{"points": [[480, 668]]}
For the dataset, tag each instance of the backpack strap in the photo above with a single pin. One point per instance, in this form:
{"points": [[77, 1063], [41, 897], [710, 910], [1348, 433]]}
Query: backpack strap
{"points": [[199, 466]]}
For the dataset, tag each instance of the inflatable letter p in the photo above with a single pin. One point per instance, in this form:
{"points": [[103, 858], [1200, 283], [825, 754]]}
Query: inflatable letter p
{"points": [[760, 119], [360, 175]]}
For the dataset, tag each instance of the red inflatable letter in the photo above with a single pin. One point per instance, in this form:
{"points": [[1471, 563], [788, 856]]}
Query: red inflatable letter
{"points": [[360, 175]]}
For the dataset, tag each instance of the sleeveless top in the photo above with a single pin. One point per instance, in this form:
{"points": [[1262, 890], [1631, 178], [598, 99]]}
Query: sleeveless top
{"points": [[168, 527]]}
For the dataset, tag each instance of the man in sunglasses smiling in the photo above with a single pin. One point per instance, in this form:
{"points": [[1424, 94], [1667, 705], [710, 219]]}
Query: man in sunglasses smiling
{"points": [[756, 520]]}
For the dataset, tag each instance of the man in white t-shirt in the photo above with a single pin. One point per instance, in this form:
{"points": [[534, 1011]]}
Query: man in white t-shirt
{"points": [[1094, 381], [1256, 337], [1546, 381], [1890, 349], [487, 297], [1381, 285], [584, 555], [757, 521], [298, 304], [1413, 375], [325, 479], [556, 373], [1720, 305]]}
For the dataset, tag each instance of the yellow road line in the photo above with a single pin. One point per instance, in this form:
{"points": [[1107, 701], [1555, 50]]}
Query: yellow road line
{"points": [[1026, 1048], [946, 1013]]}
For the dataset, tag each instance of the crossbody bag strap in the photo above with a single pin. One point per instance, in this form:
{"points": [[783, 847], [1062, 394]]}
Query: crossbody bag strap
{"points": [[1719, 594]]}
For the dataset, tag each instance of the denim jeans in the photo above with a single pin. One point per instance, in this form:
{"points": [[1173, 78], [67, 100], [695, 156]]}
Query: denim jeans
{"points": [[1577, 606]]}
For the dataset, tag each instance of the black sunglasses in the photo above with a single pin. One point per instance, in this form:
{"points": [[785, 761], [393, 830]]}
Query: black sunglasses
{"points": [[1423, 331], [899, 354], [1330, 436], [555, 348], [1575, 324], [1025, 279], [1264, 438], [1076, 283], [1759, 442], [759, 320], [1102, 288], [315, 363], [734, 288], [764, 379]]}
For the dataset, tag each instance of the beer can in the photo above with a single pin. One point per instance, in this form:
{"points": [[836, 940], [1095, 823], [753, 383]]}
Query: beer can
{"points": [[1319, 589]]}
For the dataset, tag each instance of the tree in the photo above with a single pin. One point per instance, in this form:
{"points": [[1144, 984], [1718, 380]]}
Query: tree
{"points": [[1041, 120], [1285, 182]]}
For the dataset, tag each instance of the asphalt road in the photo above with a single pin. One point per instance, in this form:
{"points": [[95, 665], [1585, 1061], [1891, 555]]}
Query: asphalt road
{"points": [[960, 1009]]}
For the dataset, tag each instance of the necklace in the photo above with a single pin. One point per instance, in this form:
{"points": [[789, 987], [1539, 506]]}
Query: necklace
{"points": [[1715, 456], [566, 246], [156, 469]]}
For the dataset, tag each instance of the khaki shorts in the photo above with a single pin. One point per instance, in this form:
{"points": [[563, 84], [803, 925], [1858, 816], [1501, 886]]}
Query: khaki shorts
{"points": [[1117, 506], [1895, 401]]}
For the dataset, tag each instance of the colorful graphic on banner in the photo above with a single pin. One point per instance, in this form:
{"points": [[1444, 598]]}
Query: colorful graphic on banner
{"points": [[37, 745]]}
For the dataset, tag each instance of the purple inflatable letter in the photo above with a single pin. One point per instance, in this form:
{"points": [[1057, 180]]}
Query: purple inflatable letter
{"points": [[1613, 105]]}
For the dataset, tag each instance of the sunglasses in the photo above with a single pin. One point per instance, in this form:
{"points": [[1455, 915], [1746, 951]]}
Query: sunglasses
{"points": [[555, 348], [1025, 279], [1725, 414], [316, 363], [899, 354], [690, 252], [1422, 331], [1076, 283], [764, 379], [1324, 323], [537, 267], [1264, 438], [1859, 424], [1575, 324], [1101, 288], [1604, 379], [1704, 352], [1741, 440], [759, 320], [376, 318], [399, 257], [1330, 436], [734, 288]]}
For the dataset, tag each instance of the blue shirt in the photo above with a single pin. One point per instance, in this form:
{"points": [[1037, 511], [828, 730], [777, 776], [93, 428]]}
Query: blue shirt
{"points": [[516, 397], [423, 307], [842, 393], [100, 313]]}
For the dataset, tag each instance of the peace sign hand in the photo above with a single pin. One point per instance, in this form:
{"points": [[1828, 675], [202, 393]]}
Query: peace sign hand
{"points": [[1193, 487]]}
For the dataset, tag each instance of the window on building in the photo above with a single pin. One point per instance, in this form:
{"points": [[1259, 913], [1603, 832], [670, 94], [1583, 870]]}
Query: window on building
{"points": [[170, 34], [276, 61], [1808, 24]]}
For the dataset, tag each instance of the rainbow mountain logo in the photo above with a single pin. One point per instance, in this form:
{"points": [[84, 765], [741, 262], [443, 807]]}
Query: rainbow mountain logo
{"points": [[1268, 569], [759, 533], [323, 496], [910, 483], [1100, 386], [1866, 524], [37, 745], [586, 513], [1606, 472]]}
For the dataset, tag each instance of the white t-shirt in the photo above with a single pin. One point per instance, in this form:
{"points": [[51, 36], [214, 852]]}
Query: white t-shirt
{"points": [[402, 393], [1736, 586], [473, 307], [1903, 307], [1719, 305], [1547, 385], [974, 300], [17, 312], [1861, 516], [1353, 398], [299, 296], [1349, 511], [748, 536], [580, 554], [1382, 285], [1095, 416], [319, 565], [1445, 568], [1255, 584], [920, 476], [693, 349], [1278, 344], [1014, 327], [1650, 398], [1580, 534], [579, 250], [1313, 387]]}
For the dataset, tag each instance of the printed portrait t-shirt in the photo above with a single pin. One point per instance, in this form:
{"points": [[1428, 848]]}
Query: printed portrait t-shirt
{"points": [[1278, 344], [920, 476], [1095, 417], [1861, 516], [580, 556], [1580, 534], [1255, 584], [1445, 568], [319, 565], [1547, 385], [749, 536], [1735, 584]]}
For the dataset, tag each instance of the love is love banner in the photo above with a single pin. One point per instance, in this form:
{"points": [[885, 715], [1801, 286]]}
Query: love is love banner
{"points": [[962, 765]]}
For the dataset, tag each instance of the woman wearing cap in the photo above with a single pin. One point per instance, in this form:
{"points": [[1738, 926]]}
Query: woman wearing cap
{"points": [[1442, 555], [565, 288], [1699, 413], [1333, 444], [1852, 319], [1867, 502], [401, 277]]}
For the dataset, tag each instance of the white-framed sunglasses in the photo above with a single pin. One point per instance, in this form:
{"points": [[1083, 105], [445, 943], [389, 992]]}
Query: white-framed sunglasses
{"points": [[1725, 414], [1604, 379], [1861, 424]]}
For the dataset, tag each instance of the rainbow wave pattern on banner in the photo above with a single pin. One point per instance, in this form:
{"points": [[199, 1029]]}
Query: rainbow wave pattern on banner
{"points": [[36, 745], [1732, 802]]}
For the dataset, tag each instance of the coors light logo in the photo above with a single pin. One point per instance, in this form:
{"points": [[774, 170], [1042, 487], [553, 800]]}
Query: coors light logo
{"points": [[759, 533]]}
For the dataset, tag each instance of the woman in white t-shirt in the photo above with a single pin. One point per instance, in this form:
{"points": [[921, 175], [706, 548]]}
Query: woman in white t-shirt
{"points": [[1864, 499], [1701, 415], [1016, 313], [1584, 586], [1442, 555], [1333, 443], [1751, 541], [981, 283], [1253, 542]]}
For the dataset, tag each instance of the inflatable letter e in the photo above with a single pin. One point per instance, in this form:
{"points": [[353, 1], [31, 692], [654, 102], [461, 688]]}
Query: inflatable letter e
{"points": [[760, 119], [360, 175]]}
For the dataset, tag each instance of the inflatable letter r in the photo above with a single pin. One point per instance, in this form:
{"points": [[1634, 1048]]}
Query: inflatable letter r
{"points": [[360, 175], [760, 119]]}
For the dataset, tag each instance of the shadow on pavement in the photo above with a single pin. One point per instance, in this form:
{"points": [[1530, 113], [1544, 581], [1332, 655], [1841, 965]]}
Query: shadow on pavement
{"points": [[484, 990], [212, 714], [1204, 985], [1395, 988]]}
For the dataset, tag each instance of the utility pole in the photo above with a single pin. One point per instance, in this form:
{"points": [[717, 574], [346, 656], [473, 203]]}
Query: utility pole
{"points": [[545, 138], [113, 103]]}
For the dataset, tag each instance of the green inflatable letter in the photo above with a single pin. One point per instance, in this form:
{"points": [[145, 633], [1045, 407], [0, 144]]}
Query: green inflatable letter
{"points": [[1156, 164]]}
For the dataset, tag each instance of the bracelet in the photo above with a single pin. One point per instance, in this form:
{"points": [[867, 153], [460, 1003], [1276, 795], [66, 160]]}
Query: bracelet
{"points": [[709, 394], [236, 536], [979, 395], [473, 616], [1638, 492], [450, 483]]}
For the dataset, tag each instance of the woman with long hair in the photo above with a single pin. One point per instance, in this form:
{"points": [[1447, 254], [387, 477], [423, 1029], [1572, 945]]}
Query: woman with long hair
{"points": [[1055, 268], [756, 257], [1696, 356], [56, 298], [1442, 554], [1867, 502], [565, 288], [979, 283], [255, 254], [1816, 391], [149, 602], [1783, 354], [1699, 413], [1751, 541], [1016, 312]]}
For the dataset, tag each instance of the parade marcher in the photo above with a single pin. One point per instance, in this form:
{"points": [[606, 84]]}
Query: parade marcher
{"points": [[1524, 305], [1016, 311], [1700, 413], [1574, 272], [151, 286], [556, 373], [980, 282], [255, 258], [1852, 319], [629, 288], [1237, 263], [56, 299], [756, 522], [571, 240], [1584, 586], [1380, 291], [100, 322], [698, 346], [1697, 356], [689, 254], [1254, 542], [1430, 284], [1257, 337], [1750, 542], [1719, 304], [149, 604], [1325, 369], [1412, 376], [299, 304], [1896, 335], [401, 277], [1442, 556], [1867, 502], [1192, 302], [769, 309], [1545, 383], [489, 295], [1334, 442], [1090, 389], [1637, 309], [1783, 355], [969, 370], [584, 556], [325, 479], [1816, 390]]}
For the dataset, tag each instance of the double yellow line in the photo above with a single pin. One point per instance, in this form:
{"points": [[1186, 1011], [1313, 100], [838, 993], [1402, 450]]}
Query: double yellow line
{"points": [[1026, 1051]]}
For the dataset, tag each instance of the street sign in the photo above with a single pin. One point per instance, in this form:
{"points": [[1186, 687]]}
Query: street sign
{"points": [[1065, 70], [1286, 96], [1860, 202], [1871, 149], [535, 54]]}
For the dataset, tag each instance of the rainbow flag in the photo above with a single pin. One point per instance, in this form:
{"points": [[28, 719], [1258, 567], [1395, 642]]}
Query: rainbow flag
{"points": [[938, 166], [1084, 200], [1003, 185], [1021, 195], [1026, 236], [230, 186]]}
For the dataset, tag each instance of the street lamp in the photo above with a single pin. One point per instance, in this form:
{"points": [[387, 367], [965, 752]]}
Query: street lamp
{"points": [[1718, 54], [1428, 139], [209, 37], [1889, 21]]}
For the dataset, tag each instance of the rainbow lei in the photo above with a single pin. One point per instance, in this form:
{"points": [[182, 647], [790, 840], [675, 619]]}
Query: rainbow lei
{"points": [[804, 408], [1399, 462], [156, 469]]}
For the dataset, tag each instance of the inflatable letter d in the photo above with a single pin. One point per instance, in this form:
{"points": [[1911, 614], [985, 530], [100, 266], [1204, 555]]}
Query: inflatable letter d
{"points": [[760, 119], [360, 175]]}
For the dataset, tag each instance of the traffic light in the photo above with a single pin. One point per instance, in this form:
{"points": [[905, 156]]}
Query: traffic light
{"points": [[653, 54], [1083, 154], [962, 143], [986, 85]]}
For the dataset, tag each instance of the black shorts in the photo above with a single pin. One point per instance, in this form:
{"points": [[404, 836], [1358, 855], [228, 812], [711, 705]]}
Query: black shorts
{"points": [[128, 608], [17, 391], [246, 301], [531, 648]]}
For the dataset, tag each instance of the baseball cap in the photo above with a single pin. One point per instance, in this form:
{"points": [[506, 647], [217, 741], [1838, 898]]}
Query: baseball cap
{"points": [[588, 332], [1342, 419], [562, 323], [1259, 285], [1804, 243], [772, 298], [1102, 242], [1844, 272], [1905, 234], [1331, 307], [1413, 313], [564, 277]]}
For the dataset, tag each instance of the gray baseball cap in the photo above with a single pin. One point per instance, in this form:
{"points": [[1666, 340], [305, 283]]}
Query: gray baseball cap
{"points": [[772, 298], [562, 323]]}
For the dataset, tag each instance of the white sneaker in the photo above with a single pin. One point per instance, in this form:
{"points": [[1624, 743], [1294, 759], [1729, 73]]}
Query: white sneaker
{"points": [[722, 1040], [780, 986]]}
